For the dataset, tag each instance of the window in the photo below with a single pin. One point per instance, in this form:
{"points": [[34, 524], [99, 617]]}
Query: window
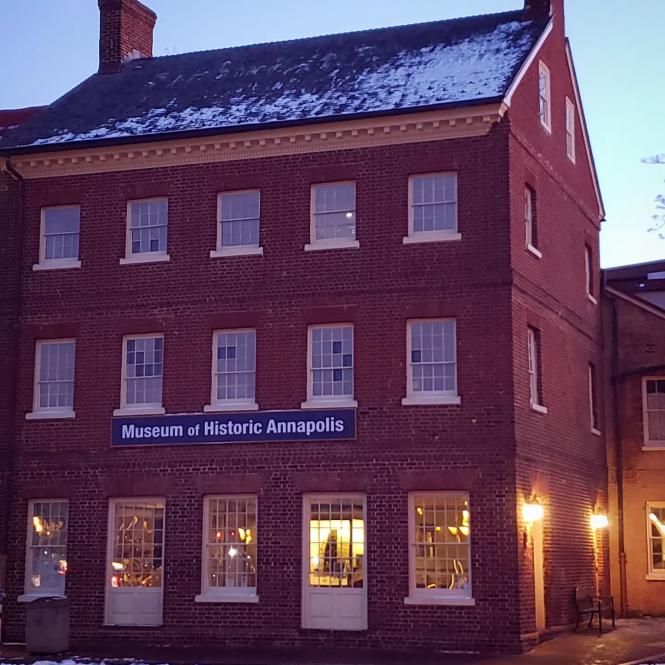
{"points": [[570, 130], [147, 227], [431, 362], [656, 538], [589, 271], [142, 368], [432, 208], [333, 216], [530, 220], [229, 549], [54, 379], [46, 552], [544, 96], [238, 226], [439, 549], [233, 370], [533, 344], [653, 404], [59, 242], [330, 376], [593, 399]]}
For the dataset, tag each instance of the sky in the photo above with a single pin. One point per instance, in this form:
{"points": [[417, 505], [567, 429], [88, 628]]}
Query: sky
{"points": [[49, 46]]}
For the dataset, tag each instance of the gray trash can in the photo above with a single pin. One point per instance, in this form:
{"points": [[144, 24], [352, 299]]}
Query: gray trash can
{"points": [[47, 625]]}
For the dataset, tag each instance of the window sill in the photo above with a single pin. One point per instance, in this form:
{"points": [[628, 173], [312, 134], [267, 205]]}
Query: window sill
{"points": [[240, 250], [147, 257], [535, 251], [329, 404], [50, 415], [318, 245], [140, 411], [431, 236], [539, 408], [219, 598], [652, 577], [29, 597], [592, 298], [655, 446], [56, 264], [419, 600], [546, 128], [595, 431], [221, 407], [440, 399]]}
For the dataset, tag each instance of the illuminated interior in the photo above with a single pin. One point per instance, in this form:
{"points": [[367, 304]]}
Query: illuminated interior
{"points": [[657, 538], [47, 548]]}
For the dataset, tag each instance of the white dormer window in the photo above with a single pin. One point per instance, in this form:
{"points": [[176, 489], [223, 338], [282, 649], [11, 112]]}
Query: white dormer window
{"points": [[570, 130], [544, 95]]}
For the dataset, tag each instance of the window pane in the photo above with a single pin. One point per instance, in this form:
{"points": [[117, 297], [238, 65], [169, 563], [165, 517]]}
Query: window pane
{"points": [[332, 362], [55, 382], [235, 365], [655, 410], [433, 357], [148, 226], [144, 368], [240, 219], [46, 564], [434, 202], [61, 232], [335, 211]]}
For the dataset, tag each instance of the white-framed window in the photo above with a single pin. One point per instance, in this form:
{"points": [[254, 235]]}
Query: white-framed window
{"points": [[570, 130], [544, 96], [533, 351], [46, 550], [653, 409], [229, 549], [431, 361], [54, 379], [432, 208], [333, 216], [531, 221], [589, 273], [330, 365], [656, 539], [147, 231], [233, 371], [439, 548], [593, 399], [142, 371], [238, 222], [59, 237]]}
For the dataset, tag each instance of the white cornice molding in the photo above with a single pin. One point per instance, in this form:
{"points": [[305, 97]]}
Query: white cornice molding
{"points": [[321, 137]]}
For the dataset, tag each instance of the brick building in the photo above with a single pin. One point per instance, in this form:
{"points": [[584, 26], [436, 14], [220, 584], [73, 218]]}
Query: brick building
{"points": [[635, 348], [362, 269]]}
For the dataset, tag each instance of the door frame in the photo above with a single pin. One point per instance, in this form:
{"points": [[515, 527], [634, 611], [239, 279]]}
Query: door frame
{"points": [[537, 541]]}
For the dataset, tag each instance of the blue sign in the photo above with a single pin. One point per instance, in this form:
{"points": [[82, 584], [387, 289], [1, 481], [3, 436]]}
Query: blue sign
{"points": [[244, 427]]}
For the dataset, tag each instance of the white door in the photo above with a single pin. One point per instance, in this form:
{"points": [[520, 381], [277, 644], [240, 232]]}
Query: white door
{"points": [[135, 563], [334, 570], [538, 573]]}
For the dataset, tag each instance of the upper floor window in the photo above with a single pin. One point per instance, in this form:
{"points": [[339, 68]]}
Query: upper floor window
{"points": [[544, 96], [46, 551], [147, 225], [142, 369], [530, 220], [589, 273], [653, 405], [656, 531], [333, 216], [439, 548], [593, 399], [330, 360], [54, 379], [233, 370], [432, 207], [59, 238], [533, 350], [239, 216], [431, 362], [570, 130]]}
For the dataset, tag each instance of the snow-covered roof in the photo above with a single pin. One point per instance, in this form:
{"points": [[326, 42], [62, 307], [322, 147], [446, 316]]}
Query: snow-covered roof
{"points": [[389, 70]]}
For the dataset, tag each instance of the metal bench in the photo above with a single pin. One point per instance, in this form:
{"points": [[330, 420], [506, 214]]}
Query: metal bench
{"points": [[593, 606]]}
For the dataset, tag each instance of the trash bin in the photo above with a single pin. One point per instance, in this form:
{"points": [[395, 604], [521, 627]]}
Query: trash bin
{"points": [[47, 625]]}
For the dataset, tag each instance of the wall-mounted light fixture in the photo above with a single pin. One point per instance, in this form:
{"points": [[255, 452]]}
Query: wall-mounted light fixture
{"points": [[599, 521], [533, 512]]}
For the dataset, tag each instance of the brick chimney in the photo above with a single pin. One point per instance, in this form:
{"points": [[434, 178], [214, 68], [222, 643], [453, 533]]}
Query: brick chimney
{"points": [[125, 32], [542, 9]]}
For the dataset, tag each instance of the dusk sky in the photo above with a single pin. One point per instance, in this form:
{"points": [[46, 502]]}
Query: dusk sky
{"points": [[51, 45]]}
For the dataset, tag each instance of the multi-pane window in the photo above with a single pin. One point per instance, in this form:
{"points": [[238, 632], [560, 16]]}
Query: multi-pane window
{"points": [[234, 367], [144, 361], [530, 217], [46, 556], [533, 350], [593, 398], [570, 130], [239, 215], [148, 225], [439, 546], [588, 270], [545, 107], [433, 204], [330, 363], [656, 537], [333, 213], [60, 235], [229, 546], [54, 376], [653, 403], [432, 359]]}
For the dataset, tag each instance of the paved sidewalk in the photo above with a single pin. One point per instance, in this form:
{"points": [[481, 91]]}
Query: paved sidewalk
{"points": [[634, 641]]}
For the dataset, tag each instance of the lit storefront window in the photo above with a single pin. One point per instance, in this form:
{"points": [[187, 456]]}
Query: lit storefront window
{"points": [[656, 526], [46, 564]]}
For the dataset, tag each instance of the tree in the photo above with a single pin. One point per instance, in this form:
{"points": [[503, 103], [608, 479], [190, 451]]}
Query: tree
{"points": [[659, 217]]}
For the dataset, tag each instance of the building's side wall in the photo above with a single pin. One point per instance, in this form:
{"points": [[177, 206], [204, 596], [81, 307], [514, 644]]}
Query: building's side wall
{"points": [[559, 460]]}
